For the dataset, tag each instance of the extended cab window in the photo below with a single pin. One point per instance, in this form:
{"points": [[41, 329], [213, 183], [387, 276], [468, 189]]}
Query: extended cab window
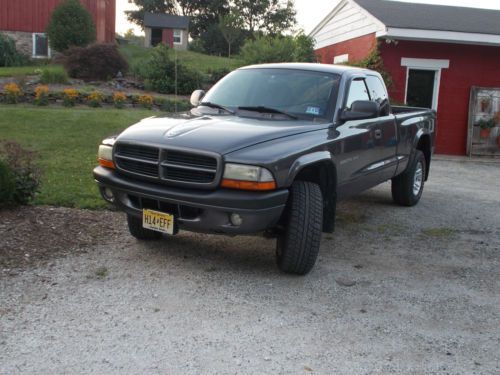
{"points": [[378, 93], [357, 91]]}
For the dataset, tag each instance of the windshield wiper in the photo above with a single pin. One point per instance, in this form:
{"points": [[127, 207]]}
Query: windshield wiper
{"points": [[218, 106], [263, 109]]}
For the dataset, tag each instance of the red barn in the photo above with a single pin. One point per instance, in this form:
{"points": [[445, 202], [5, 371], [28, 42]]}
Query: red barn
{"points": [[26, 20], [436, 56]]}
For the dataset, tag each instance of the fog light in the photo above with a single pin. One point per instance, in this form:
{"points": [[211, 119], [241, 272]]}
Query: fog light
{"points": [[108, 195], [236, 220]]}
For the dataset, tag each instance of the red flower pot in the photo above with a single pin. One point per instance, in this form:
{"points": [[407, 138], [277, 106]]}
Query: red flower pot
{"points": [[484, 133]]}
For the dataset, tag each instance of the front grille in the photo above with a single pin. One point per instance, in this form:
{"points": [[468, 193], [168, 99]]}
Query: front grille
{"points": [[168, 166], [138, 167], [184, 158], [139, 152], [187, 175]]}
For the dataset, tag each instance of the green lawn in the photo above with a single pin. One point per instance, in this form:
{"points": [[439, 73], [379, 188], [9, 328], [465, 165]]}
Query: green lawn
{"points": [[197, 61], [67, 141], [11, 71]]}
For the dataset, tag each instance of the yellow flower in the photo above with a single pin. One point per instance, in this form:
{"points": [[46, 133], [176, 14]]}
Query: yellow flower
{"points": [[146, 101], [41, 91]]}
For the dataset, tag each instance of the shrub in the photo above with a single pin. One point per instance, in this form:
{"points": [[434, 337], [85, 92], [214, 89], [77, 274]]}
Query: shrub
{"points": [[69, 97], [26, 175], [95, 99], [70, 25], [217, 74], [158, 72], [269, 49], [145, 101], [119, 99], [9, 56], [374, 62], [171, 105], [42, 95], [53, 76], [7, 184], [98, 61], [12, 92]]}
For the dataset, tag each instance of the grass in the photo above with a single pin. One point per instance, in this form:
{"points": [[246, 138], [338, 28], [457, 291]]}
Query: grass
{"points": [[12, 71], [197, 61], [67, 142]]}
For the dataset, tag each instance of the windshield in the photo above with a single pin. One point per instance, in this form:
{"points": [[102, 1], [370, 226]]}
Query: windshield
{"points": [[301, 93]]}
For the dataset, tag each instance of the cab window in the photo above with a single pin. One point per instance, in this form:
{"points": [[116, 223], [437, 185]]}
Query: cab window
{"points": [[378, 93], [357, 91]]}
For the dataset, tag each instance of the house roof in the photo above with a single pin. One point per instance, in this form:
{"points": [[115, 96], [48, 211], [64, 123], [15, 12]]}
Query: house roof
{"points": [[433, 17], [165, 21]]}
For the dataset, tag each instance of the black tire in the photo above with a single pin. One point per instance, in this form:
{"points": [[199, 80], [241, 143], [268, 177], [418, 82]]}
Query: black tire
{"points": [[135, 228], [403, 192], [298, 246]]}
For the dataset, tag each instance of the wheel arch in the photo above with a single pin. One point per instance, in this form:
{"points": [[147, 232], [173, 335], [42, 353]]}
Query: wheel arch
{"points": [[319, 168], [423, 143]]}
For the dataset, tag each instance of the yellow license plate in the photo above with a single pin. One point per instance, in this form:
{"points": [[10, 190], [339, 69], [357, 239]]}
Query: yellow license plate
{"points": [[158, 221]]}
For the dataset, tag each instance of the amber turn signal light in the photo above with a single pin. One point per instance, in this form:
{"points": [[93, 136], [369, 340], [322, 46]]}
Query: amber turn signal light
{"points": [[106, 163], [248, 185]]}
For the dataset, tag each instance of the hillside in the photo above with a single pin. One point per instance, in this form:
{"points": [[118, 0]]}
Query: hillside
{"points": [[197, 61]]}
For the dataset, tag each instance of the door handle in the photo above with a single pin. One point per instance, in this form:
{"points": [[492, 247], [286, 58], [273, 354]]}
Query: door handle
{"points": [[378, 134]]}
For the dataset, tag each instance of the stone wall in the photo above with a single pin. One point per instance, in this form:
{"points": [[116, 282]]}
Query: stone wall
{"points": [[23, 40]]}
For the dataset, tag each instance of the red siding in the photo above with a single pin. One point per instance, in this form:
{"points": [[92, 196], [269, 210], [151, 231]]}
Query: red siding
{"points": [[33, 16], [469, 66], [357, 48], [167, 37]]}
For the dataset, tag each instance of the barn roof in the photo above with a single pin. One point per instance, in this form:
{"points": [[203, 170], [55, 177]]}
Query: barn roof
{"points": [[165, 21], [433, 17]]}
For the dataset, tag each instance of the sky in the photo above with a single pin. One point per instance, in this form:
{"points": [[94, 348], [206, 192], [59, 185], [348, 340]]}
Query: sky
{"points": [[309, 12]]}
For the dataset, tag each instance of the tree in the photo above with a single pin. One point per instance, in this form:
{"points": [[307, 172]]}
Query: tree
{"points": [[230, 26], [271, 49], [268, 16], [153, 6], [202, 13], [70, 25]]}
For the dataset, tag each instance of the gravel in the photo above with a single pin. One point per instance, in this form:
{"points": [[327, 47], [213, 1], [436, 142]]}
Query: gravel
{"points": [[395, 290]]}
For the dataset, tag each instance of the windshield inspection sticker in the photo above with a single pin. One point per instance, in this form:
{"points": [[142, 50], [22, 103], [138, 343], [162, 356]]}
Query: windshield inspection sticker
{"points": [[313, 110]]}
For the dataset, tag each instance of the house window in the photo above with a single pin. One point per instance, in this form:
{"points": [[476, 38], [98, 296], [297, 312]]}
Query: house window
{"points": [[177, 36], [40, 45], [341, 59]]}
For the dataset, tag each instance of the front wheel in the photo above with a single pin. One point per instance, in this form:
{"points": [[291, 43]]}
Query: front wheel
{"points": [[135, 228], [407, 188], [298, 246]]}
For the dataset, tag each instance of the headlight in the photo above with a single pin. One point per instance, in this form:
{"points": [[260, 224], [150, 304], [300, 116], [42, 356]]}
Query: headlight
{"points": [[247, 177], [105, 156]]}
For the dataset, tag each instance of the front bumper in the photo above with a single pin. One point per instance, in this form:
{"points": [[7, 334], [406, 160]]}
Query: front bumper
{"points": [[205, 211]]}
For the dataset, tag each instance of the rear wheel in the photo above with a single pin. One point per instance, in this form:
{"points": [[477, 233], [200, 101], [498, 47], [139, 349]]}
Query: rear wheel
{"points": [[298, 246], [135, 228], [407, 188]]}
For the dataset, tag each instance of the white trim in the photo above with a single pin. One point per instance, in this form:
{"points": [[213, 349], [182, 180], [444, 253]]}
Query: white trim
{"points": [[337, 9], [33, 47], [435, 65], [425, 63], [180, 36], [442, 36], [341, 59]]}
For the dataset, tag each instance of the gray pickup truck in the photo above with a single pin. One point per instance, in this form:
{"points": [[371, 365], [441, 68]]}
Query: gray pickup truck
{"points": [[269, 149]]}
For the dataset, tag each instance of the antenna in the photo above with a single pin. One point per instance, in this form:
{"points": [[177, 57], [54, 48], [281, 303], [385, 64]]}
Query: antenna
{"points": [[175, 60]]}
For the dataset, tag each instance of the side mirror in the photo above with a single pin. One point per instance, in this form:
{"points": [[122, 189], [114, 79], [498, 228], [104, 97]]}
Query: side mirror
{"points": [[361, 110], [196, 97]]}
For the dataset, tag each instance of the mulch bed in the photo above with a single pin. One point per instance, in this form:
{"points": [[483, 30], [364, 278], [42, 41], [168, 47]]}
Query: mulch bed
{"points": [[33, 234]]}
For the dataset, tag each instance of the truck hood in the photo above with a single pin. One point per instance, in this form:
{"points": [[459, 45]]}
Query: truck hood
{"points": [[221, 134]]}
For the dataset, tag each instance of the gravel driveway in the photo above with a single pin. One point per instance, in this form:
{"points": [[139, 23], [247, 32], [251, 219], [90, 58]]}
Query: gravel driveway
{"points": [[395, 290]]}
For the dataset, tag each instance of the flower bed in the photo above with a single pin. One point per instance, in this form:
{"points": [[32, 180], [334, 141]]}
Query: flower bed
{"points": [[13, 94]]}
